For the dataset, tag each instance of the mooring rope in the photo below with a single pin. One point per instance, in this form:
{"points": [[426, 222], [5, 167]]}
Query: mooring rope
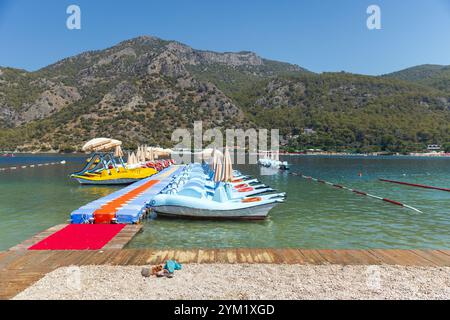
{"points": [[415, 185], [362, 193], [33, 165]]}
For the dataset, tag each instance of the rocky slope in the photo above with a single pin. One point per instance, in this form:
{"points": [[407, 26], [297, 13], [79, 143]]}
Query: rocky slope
{"points": [[349, 112], [139, 91], [142, 89]]}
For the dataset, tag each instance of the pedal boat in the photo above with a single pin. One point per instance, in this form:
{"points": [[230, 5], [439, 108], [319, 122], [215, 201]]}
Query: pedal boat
{"points": [[107, 168], [196, 203], [114, 176]]}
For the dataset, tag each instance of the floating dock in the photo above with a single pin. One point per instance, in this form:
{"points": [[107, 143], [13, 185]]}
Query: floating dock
{"points": [[127, 205], [92, 226]]}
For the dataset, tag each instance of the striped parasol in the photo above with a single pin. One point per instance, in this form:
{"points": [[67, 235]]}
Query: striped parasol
{"points": [[118, 152], [218, 170], [212, 159], [142, 155], [227, 166]]}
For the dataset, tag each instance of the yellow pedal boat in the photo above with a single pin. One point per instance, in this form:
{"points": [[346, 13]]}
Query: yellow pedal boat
{"points": [[106, 167], [117, 175]]}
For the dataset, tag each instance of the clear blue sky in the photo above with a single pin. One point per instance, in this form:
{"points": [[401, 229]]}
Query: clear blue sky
{"points": [[324, 35]]}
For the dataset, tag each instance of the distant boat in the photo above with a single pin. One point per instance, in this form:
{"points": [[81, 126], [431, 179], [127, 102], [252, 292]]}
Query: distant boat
{"points": [[8, 155], [273, 161]]}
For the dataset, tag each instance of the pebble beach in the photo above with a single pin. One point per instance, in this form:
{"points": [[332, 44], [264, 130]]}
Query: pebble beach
{"points": [[245, 281]]}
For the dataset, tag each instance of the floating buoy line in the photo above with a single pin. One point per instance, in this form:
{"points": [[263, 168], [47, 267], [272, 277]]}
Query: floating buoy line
{"points": [[33, 165], [362, 193], [415, 185]]}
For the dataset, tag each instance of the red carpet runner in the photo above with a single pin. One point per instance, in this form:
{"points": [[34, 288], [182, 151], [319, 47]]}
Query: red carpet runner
{"points": [[80, 237]]}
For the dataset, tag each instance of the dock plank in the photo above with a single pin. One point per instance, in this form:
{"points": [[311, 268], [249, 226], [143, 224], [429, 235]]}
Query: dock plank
{"points": [[186, 256], [409, 258], [361, 257], [206, 256], [244, 256], [288, 256], [446, 252], [278, 256], [123, 237], [331, 257], [313, 257], [37, 238], [156, 257]]}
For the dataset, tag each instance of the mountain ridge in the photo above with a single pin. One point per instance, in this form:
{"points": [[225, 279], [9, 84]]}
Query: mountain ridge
{"points": [[432, 75], [124, 89]]}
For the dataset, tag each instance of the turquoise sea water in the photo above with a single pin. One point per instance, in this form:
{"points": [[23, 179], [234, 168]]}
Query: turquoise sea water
{"points": [[314, 215]]}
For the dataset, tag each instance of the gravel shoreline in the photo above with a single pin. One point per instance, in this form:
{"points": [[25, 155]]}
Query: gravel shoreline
{"points": [[245, 281]]}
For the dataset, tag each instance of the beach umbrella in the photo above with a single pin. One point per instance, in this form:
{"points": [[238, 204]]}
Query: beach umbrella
{"points": [[212, 159], [129, 159], [218, 163], [141, 157], [100, 144], [136, 153], [218, 170], [118, 152], [108, 146], [93, 143], [144, 153], [227, 166], [133, 158], [217, 155], [152, 157]]}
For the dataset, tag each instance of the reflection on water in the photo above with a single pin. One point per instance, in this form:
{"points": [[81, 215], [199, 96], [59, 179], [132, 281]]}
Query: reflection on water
{"points": [[313, 216], [96, 191]]}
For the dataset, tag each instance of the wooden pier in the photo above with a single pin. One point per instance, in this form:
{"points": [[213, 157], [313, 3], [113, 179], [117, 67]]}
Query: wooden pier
{"points": [[21, 268]]}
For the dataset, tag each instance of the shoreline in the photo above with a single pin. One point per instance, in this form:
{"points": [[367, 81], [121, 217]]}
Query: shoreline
{"points": [[115, 270], [327, 154], [244, 282]]}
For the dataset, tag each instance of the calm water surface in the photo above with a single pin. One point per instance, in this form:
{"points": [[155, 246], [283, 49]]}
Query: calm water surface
{"points": [[314, 215]]}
